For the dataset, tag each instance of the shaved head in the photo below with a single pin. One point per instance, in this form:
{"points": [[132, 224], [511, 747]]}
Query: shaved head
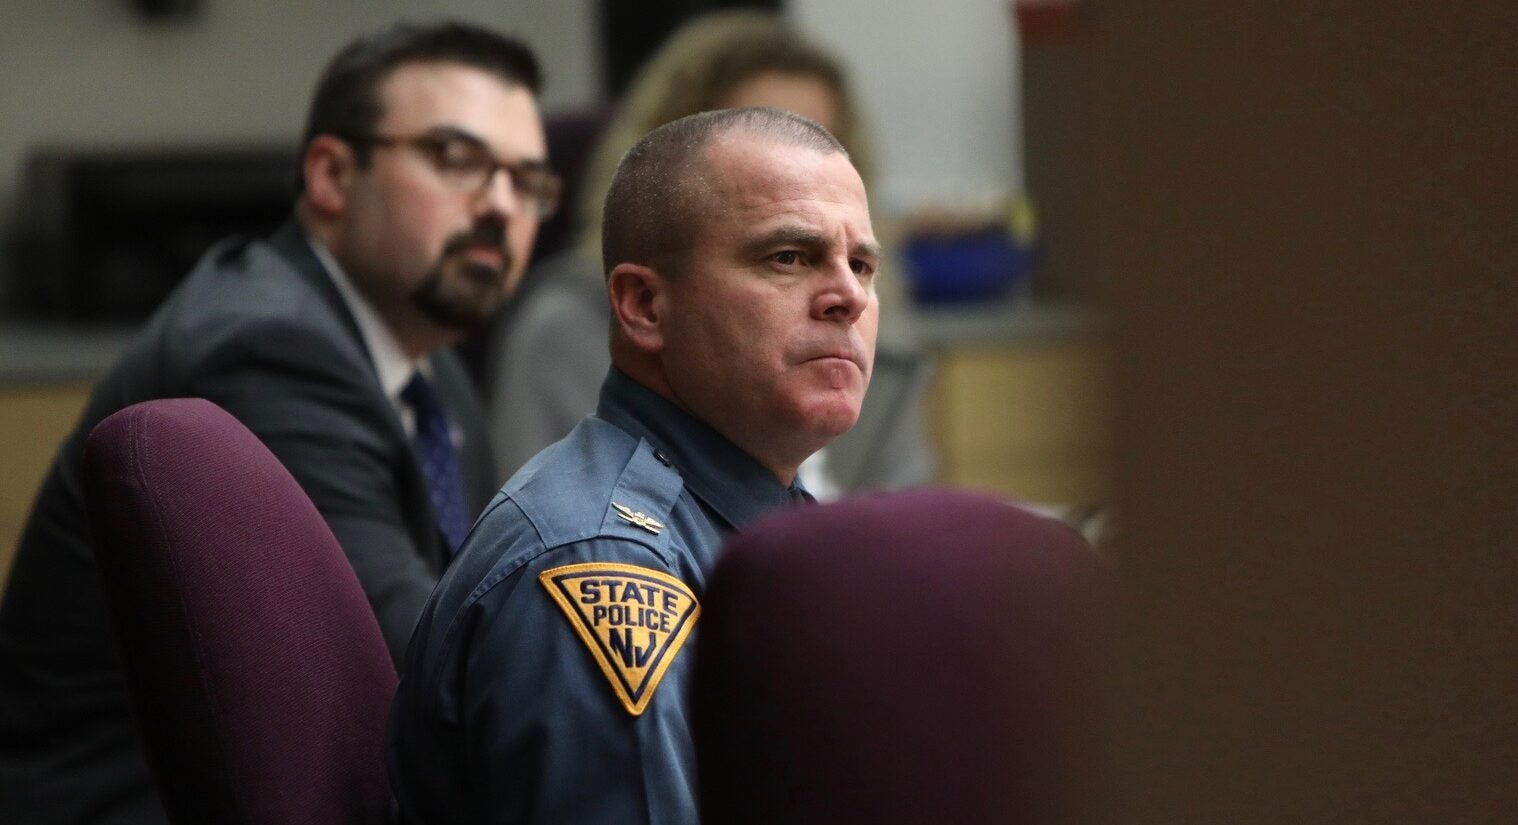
{"points": [[658, 197]]}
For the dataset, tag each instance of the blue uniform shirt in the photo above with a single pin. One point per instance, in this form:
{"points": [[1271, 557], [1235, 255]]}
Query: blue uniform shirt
{"points": [[546, 680]]}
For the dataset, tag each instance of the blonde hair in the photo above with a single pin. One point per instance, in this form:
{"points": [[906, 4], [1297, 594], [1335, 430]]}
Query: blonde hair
{"points": [[699, 66]]}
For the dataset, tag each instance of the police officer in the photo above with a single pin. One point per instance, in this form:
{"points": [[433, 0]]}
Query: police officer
{"points": [[546, 680]]}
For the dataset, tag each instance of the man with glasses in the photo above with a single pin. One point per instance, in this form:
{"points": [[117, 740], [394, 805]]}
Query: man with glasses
{"points": [[424, 179]]}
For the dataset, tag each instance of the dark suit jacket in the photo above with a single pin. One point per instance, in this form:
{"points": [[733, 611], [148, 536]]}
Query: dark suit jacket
{"points": [[259, 328]]}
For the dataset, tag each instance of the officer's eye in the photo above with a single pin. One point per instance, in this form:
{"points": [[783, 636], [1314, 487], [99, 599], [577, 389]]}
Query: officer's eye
{"points": [[789, 257], [861, 266]]}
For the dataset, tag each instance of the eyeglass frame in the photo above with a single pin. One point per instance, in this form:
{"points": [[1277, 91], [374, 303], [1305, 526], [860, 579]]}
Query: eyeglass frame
{"points": [[432, 145]]}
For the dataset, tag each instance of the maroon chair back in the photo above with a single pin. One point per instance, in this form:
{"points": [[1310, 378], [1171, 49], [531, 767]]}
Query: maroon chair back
{"points": [[255, 664], [920, 657]]}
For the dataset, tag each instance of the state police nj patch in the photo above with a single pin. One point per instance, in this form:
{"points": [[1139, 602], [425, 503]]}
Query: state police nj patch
{"points": [[634, 621]]}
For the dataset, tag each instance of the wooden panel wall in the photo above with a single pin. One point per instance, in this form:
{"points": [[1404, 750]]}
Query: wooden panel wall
{"points": [[1306, 224]]}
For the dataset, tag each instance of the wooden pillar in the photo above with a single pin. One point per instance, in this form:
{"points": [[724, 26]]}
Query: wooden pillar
{"points": [[1306, 231]]}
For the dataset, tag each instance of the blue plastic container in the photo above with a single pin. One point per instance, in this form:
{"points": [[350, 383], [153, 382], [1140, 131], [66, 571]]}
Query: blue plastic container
{"points": [[952, 269]]}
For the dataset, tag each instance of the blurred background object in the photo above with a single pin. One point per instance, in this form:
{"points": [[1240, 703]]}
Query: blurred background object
{"points": [[1056, 38], [115, 231], [969, 257]]}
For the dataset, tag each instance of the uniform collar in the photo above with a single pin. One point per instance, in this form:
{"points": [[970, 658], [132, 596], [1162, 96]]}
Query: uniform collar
{"points": [[728, 480]]}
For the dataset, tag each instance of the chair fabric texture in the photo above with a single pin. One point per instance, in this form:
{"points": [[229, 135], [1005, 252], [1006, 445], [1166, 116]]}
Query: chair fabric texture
{"points": [[256, 667], [919, 657]]}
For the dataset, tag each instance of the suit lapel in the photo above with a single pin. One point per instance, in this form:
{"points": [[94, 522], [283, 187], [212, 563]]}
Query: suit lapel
{"points": [[290, 242]]}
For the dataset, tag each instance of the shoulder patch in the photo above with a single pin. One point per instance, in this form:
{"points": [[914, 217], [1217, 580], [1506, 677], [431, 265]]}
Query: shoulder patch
{"points": [[633, 619]]}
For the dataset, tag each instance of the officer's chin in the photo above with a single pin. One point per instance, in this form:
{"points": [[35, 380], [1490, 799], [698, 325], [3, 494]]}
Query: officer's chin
{"points": [[831, 414]]}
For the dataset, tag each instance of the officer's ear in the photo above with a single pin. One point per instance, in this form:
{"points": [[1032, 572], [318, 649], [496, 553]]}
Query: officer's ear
{"points": [[328, 166], [637, 294]]}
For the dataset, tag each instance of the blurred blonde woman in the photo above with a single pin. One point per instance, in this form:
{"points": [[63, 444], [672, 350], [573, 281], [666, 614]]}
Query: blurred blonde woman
{"points": [[545, 371]]}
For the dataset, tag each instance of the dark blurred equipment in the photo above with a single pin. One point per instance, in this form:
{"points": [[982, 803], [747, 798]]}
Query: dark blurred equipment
{"points": [[257, 670], [571, 135], [105, 235], [922, 657], [167, 10], [1058, 124]]}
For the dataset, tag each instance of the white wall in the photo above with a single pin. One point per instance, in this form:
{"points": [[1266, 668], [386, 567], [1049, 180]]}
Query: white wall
{"points": [[940, 84], [92, 73]]}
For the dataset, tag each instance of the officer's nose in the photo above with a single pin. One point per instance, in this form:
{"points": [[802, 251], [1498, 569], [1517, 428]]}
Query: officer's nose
{"points": [[843, 296]]}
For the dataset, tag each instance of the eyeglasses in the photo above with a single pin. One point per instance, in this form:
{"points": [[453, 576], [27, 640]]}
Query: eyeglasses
{"points": [[465, 163]]}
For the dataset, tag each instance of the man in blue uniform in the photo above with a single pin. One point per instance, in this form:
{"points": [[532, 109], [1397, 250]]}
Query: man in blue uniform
{"points": [[546, 680]]}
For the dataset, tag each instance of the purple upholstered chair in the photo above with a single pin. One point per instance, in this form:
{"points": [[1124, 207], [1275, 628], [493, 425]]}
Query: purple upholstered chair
{"points": [[257, 669], [920, 657]]}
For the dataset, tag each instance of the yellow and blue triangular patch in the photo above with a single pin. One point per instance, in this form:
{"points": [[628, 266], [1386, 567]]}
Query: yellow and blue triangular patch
{"points": [[633, 619]]}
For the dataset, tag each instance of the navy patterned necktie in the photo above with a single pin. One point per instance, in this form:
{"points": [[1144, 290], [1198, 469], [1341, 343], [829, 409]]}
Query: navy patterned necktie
{"points": [[440, 464]]}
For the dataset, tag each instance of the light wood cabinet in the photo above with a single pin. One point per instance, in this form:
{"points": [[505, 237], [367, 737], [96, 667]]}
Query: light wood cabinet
{"points": [[35, 420], [1027, 419]]}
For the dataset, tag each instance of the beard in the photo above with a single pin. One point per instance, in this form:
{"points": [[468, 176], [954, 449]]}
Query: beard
{"points": [[463, 294]]}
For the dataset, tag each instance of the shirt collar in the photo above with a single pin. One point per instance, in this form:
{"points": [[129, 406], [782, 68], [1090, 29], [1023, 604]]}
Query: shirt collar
{"points": [[391, 364], [726, 479]]}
